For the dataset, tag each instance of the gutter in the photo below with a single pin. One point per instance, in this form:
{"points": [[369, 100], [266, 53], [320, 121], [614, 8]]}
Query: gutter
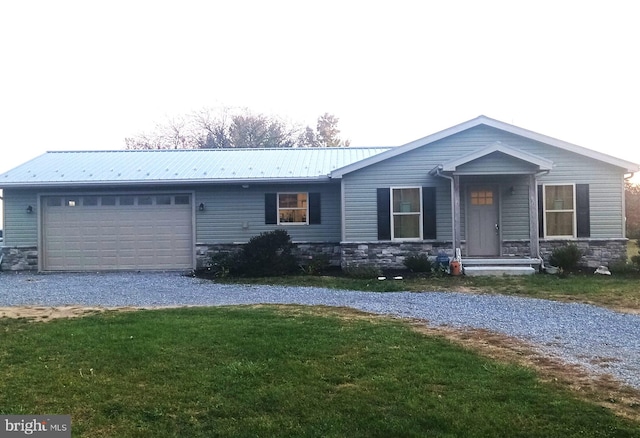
{"points": [[156, 182]]}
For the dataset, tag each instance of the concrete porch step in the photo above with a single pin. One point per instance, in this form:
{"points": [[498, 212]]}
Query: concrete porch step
{"points": [[500, 266], [476, 271]]}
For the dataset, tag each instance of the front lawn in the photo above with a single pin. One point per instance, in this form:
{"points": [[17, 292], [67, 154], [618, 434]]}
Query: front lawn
{"points": [[276, 371], [619, 292]]}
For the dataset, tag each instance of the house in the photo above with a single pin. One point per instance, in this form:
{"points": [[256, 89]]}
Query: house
{"points": [[496, 192]]}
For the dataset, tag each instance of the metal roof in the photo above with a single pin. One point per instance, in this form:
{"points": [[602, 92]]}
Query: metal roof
{"points": [[184, 165]]}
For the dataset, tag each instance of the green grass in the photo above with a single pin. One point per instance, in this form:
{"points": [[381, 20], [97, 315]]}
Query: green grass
{"points": [[276, 371], [620, 292]]}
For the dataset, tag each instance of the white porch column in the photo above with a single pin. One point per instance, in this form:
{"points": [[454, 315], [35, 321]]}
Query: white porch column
{"points": [[457, 229]]}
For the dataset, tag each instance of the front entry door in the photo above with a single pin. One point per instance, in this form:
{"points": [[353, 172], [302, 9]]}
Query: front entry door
{"points": [[483, 231]]}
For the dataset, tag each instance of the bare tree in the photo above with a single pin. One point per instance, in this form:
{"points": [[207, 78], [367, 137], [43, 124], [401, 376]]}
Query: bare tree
{"points": [[326, 134], [235, 128]]}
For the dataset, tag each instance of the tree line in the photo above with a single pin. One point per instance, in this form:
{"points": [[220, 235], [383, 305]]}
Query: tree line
{"points": [[632, 203], [237, 128]]}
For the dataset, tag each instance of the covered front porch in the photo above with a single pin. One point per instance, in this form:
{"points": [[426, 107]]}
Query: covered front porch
{"points": [[495, 209]]}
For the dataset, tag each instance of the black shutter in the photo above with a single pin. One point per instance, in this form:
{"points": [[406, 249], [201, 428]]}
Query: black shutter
{"points": [[583, 220], [428, 212], [314, 208], [540, 212], [270, 208], [384, 214]]}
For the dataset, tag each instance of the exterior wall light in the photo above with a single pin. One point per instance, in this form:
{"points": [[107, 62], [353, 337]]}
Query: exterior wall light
{"points": [[29, 209], [201, 206]]}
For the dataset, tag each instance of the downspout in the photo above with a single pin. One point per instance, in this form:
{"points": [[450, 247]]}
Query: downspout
{"points": [[535, 181], [438, 172]]}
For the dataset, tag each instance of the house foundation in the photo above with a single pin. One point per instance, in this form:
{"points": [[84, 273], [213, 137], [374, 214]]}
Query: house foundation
{"points": [[595, 252], [19, 258], [305, 252], [390, 255]]}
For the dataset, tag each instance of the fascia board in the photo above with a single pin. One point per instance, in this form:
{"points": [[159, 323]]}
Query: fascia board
{"points": [[138, 183]]}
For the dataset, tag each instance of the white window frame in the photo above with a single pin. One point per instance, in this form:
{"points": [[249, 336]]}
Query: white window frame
{"points": [[573, 211], [296, 208], [394, 214]]}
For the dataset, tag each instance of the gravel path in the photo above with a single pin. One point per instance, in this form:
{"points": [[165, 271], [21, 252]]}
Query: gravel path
{"points": [[598, 339]]}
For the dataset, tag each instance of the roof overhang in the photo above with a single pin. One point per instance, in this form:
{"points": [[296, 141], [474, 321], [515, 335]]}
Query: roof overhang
{"points": [[162, 183], [537, 163]]}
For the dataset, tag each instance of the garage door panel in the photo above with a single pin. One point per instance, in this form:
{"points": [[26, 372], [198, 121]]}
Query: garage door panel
{"points": [[117, 237]]}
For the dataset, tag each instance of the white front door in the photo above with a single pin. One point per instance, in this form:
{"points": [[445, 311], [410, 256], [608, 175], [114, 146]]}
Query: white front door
{"points": [[483, 230]]}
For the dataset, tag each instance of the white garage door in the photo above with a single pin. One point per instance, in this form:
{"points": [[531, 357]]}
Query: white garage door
{"points": [[125, 232]]}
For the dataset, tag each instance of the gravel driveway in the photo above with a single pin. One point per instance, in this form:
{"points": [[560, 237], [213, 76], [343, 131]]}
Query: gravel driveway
{"points": [[600, 340]]}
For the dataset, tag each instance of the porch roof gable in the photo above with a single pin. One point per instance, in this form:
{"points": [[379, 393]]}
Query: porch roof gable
{"points": [[539, 163]]}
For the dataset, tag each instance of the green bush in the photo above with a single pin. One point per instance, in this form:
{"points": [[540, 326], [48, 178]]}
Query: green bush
{"points": [[317, 265], [418, 263], [566, 257], [266, 255], [623, 268], [363, 272]]}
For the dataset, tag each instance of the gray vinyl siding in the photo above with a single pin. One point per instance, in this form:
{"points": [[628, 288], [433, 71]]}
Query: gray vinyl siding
{"points": [[606, 194], [227, 208], [361, 220], [20, 228], [411, 169], [514, 220]]}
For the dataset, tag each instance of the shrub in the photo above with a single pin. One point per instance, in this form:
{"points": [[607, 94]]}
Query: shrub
{"points": [[623, 268], [222, 264], [362, 271], [418, 263], [265, 255], [566, 257], [317, 265]]}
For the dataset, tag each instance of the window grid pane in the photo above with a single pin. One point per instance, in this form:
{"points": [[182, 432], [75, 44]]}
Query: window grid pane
{"points": [[406, 213], [163, 200], [559, 205], [559, 198], [406, 226], [89, 201], [482, 197], [406, 200], [108, 201], [559, 224], [126, 200], [292, 208], [182, 199]]}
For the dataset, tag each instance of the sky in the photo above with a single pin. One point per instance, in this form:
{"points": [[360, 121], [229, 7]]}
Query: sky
{"points": [[83, 75]]}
